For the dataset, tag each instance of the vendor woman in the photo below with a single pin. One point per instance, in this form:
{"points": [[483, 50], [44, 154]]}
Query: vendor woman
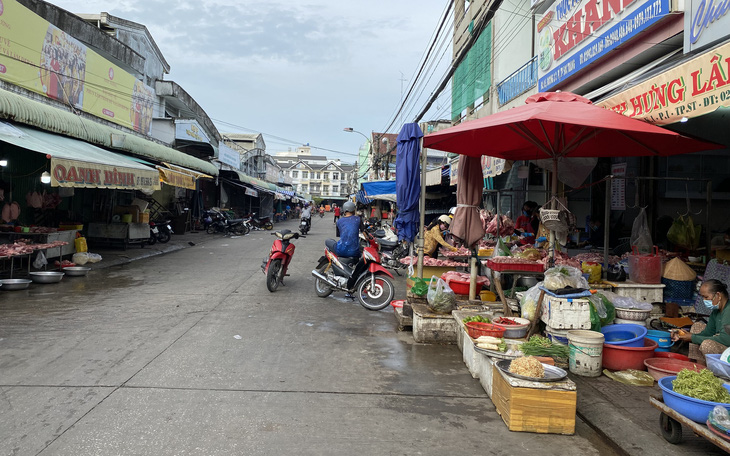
{"points": [[713, 337], [434, 236]]}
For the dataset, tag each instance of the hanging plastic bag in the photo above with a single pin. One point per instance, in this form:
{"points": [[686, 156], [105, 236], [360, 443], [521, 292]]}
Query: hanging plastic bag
{"points": [[528, 303], [684, 233], [40, 260], [441, 298], [640, 234]]}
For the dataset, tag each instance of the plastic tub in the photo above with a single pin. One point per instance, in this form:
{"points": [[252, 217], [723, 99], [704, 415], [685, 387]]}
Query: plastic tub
{"points": [[694, 409], [626, 335], [586, 351], [662, 338], [517, 331], [718, 366], [664, 367], [622, 357], [663, 354], [632, 314], [462, 288]]}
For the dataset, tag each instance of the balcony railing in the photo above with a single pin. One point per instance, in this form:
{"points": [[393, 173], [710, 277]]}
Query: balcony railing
{"points": [[518, 82]]}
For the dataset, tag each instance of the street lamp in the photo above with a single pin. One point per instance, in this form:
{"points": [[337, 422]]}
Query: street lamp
{"points": [[351, 130]]}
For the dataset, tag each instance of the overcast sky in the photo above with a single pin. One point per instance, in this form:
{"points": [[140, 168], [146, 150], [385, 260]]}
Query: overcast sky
{"points": [[291, 69]]}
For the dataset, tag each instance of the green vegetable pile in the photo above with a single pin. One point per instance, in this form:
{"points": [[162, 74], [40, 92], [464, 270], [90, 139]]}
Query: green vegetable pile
{"points": [[702, 385], [477, 318], [541, 346]]}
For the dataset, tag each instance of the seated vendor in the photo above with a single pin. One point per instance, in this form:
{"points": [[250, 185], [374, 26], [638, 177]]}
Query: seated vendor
{"points": [[595, 234], [713, 337], [528, 222], [434, 236]]}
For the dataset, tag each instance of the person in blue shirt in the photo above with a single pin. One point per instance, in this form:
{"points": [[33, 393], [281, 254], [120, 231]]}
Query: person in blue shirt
{"points": [[349, 228]]}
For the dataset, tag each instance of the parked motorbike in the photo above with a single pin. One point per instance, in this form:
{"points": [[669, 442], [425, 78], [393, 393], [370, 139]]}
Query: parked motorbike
{"points": [[304, 225], [259, 223], [392, 250], [160, 231], [222, 223], [365, 277], [276, 264]]}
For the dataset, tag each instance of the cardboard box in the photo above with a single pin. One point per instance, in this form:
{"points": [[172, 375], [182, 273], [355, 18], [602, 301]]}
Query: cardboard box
{"points": [[144, 217]]}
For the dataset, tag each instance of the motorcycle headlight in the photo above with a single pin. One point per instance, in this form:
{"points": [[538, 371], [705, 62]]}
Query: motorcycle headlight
{"points": [[369, 256]]}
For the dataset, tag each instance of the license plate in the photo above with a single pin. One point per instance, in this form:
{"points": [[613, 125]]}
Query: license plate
{"points": [[155, 230]]}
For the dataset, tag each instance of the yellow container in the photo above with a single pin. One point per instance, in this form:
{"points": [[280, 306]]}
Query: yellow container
{"points": [[485, 252], [126, 218], [488, 296], [80, 244]]}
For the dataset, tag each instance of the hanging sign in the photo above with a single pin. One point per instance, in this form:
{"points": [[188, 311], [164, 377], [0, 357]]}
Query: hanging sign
{"points": [[705, 21], [252, 192], [176, 179], [492, 166], [692, 89], [618, 187], [72, 173], [454, 172]]}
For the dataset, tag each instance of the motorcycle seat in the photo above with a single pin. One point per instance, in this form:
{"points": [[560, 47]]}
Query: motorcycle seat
{"points": [[386, 243], [349, 261], [233, 221]]}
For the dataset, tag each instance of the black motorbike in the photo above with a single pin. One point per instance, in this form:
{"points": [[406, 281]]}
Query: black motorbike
{"points": [[160, 231], [222, 223], [259, 223], [391, 251], [304, 225]]}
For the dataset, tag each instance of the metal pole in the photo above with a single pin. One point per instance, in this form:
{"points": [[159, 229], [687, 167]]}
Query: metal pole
{"points": [[422, 210], [708, 234], [606, 219]]}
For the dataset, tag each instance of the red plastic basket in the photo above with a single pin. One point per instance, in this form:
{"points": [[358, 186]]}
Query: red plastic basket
{"points": [[476, 329], [526, 267], [462, 288]]}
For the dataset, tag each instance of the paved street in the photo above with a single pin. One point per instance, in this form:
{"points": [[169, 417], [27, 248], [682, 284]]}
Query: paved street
{"points": [[187, 353]]}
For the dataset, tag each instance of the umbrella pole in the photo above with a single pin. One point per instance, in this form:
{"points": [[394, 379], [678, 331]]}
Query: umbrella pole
{"points": [[554, 205], [422, 211]]}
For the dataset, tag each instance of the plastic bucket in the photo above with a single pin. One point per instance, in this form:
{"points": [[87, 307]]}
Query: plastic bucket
{"points": [[559, 336], [586, 352], [662, 338]]}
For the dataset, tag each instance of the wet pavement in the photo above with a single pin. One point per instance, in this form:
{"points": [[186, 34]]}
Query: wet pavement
{"points": [[188, 353]]}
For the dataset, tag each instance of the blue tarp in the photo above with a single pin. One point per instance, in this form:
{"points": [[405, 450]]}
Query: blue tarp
{"points": [[380, 190], [408, 181]]}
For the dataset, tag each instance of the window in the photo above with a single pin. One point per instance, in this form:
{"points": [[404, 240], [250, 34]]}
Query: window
{"points": [[325, 176], [335, 189], [305, 174], [326, 188], [295, 174], [317, 176], [344, 176], [304, 188]]}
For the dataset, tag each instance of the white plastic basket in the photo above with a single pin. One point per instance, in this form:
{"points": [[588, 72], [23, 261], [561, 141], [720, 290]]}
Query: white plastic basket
{"points": [[566, 313]]}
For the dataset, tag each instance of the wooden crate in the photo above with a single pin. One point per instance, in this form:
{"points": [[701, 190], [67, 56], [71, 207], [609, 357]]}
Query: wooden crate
{"points": [[540, 407]]}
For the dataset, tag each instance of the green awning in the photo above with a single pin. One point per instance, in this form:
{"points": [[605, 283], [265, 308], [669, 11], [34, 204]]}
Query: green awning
{"points": [[26, 111]]}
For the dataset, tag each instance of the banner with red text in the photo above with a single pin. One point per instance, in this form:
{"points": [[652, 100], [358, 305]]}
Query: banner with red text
{"points": [[694, 88], [72, 173]]}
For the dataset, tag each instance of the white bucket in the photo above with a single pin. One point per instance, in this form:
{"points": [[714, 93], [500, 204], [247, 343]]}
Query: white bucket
{"points": [[586, 352]]}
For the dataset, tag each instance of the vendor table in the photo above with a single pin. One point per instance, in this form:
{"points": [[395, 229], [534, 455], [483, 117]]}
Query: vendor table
{"points": [[126, 233], [45, 238]]}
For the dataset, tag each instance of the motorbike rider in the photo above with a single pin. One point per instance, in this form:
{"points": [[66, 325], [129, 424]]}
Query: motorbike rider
{"points": [[307, 214], [434, 236], [349, 226]]}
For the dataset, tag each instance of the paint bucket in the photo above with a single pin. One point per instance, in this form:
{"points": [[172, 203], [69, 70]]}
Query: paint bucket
{"points": [[586, 352]]}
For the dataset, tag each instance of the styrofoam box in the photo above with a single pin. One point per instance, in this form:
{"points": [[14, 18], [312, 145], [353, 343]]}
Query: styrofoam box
{"points": [[641, 292], [566, 313]]}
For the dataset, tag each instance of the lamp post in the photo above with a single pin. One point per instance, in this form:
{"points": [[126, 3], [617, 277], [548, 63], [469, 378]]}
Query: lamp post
{"points": [[352, 130]]}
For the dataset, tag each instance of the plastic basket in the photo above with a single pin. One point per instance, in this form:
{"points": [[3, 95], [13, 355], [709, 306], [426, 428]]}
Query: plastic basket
{"points": [[476, 329], [525, 267], [678, 289]]}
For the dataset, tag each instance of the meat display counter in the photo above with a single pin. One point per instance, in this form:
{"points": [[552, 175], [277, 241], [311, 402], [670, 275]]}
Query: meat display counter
{"points": [[124, 233]]}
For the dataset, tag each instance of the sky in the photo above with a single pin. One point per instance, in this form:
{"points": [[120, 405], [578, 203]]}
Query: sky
{"points": [[297, 70]]}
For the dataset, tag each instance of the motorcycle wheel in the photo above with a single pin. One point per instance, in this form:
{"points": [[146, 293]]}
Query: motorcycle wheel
{"points": [[375, 297], [211, 229], [269, 226], [152, 240], [272, 276], [164, 237], [321, 288], [244, 230]]}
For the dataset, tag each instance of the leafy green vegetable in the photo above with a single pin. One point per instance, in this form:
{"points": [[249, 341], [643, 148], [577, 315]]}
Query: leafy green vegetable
{"points": [[541, 346], [702, 385]]}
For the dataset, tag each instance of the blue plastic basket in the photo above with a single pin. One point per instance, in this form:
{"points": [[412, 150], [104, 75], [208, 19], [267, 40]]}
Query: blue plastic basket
{"points": [[694, 409], [678, 289]]}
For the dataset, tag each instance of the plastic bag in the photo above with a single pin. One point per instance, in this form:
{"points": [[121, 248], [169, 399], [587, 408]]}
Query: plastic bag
{"points": [[94, 257], [40, 260], [440, 296], [528, 303], [640, 234], [631, 377], [564, 276], [80, 258], [420, 287], [719, 417], [625, 302], [500, 249], [684, 233], [602, 312], [80, 244]]}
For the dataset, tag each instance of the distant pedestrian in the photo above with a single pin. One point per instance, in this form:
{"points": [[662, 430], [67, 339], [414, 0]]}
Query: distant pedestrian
{"points": [[337, 214]]}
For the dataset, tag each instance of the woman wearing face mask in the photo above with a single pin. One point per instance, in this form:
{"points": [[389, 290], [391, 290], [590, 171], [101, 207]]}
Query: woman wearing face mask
{"points": [[712, 337], [528, 221]]}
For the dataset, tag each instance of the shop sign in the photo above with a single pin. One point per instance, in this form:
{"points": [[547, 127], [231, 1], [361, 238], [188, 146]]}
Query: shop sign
{"points": [[44, 59], [492, 166], [229, 156], [454, 172], [573, 34], [176, 179], [705, 21], [72, 173], [190, 130], [252, 192], [692, 89], [618, 187]]}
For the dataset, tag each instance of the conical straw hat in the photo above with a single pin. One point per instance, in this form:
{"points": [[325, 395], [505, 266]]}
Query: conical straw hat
{"points": [[677, 269]]}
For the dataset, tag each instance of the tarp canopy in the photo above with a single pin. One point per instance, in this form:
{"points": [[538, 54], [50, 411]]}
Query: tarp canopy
{"points": [[408, 181], [380, 190]]}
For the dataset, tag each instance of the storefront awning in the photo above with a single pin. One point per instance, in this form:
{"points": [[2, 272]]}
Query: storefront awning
{"points": [[26, 111], [79, 164], [176, 178]]}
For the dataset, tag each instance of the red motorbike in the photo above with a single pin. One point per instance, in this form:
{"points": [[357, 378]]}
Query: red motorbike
{"points": [[280, 255], [363, 277]]}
